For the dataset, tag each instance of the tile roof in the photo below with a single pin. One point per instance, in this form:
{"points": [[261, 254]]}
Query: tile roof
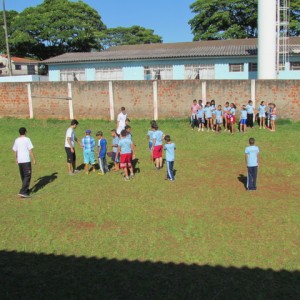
{"points": [[241, 47], [20, 59]]}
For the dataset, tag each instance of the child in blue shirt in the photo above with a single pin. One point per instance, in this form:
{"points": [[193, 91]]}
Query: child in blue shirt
{"points": [[102, 148], [250, 113], [170, 157], [243, 120], [114, 156], [218, 113], [262, 115], [251, 158], [88, 145], [208, 116], [200, 115]]}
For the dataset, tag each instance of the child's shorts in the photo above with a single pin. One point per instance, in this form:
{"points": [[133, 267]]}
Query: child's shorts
{"points": [[273, 118], [89, 157], [115, 158], [201, 120], [231, 119], [218, 121], [157, 152], [262, 115], [125, 160], [243, 121]]}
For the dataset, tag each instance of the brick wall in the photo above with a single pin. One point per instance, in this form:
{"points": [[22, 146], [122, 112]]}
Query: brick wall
{"points": [[94, 99], [14, 100]]}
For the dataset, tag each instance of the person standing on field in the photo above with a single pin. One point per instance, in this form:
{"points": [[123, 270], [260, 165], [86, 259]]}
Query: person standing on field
{"points": [[251, 158], [23, 151], [121, 120], [70, 147]]}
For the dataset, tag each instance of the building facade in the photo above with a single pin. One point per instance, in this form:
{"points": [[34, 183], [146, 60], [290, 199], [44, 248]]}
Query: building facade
{"points": [[204, 60], [20, 66]]}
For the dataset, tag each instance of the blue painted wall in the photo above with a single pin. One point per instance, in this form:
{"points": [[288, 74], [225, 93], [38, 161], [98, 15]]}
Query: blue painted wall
{"points": [[134, 70]]}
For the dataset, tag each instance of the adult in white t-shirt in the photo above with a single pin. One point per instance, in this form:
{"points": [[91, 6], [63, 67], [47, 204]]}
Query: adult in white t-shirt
{"points": [[121, 120], [23, 151], [70, 147]]}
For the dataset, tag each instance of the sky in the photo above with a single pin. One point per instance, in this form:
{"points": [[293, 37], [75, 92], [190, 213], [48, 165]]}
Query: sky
{"points": [[168, 18]]}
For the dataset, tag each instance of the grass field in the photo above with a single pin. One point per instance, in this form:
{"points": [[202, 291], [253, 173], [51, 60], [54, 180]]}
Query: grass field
{"points": [[201, 237]]}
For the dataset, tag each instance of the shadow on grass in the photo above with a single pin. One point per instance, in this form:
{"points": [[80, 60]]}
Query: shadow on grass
{"points": [[40, 276], [243, 179], [43, 181]]}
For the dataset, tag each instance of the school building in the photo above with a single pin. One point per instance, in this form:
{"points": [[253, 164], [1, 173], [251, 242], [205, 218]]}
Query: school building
{"points": [[203, 60]]}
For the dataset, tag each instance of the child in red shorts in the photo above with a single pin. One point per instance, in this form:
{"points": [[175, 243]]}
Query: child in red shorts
{"points": [[126, 151]]}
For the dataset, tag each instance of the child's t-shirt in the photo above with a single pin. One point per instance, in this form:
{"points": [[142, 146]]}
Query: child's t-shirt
{"points": [[262, 109], [250, 109], [170, 151], [88, 143], [103, 144], [252, 152], [243, 114], [125, 145], [194, 108], [157, 136], [115, 142], [200, 113], [150, 135], [218, 113], [208, 112], [232, 111]]}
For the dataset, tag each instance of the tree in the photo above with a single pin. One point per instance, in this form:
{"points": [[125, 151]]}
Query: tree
{"points": [[129, 36], [10, 15], [55, 27], [232, 19]]}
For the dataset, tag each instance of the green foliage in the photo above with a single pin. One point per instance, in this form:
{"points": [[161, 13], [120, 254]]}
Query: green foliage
{"points": [[55, 27], [129, 36], [10, 15], [232, 19]]}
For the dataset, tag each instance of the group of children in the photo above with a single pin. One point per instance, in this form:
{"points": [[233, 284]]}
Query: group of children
{"points": [[123, 149], [213, 117]]}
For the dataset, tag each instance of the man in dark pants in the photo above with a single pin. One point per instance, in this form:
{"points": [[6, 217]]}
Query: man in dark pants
{"points": [[23, 151], [251, 157]]}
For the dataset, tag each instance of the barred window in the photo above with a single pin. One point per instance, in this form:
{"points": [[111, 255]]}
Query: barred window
{"points": [[295, 65], [199, 71], [236, 67], [109, 74], [18, 67], [252, 67], [72, 75], [162, 72]]}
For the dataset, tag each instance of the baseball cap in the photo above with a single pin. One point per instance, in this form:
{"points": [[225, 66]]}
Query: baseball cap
{"points": [[88, 131]]}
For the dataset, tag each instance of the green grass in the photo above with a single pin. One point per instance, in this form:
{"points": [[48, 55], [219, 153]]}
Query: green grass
{"points": [[204, 218]]}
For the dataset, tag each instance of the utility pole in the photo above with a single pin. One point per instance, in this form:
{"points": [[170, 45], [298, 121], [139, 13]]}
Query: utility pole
{"points": [[6, 40]]}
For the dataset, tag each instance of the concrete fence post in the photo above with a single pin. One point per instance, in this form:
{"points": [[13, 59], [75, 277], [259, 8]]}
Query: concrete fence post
{"points": [[30, 101], [155, 101], [203, 90], [111, 101], [70, 100]]}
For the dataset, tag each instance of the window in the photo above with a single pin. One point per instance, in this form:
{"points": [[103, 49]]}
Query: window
{"points": [[72, 75], [252, 67], [295, 66], [109, 74], [18, 67], [236, 67], [2, 65], [200, 71], [281, 66], [162, 72]]}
